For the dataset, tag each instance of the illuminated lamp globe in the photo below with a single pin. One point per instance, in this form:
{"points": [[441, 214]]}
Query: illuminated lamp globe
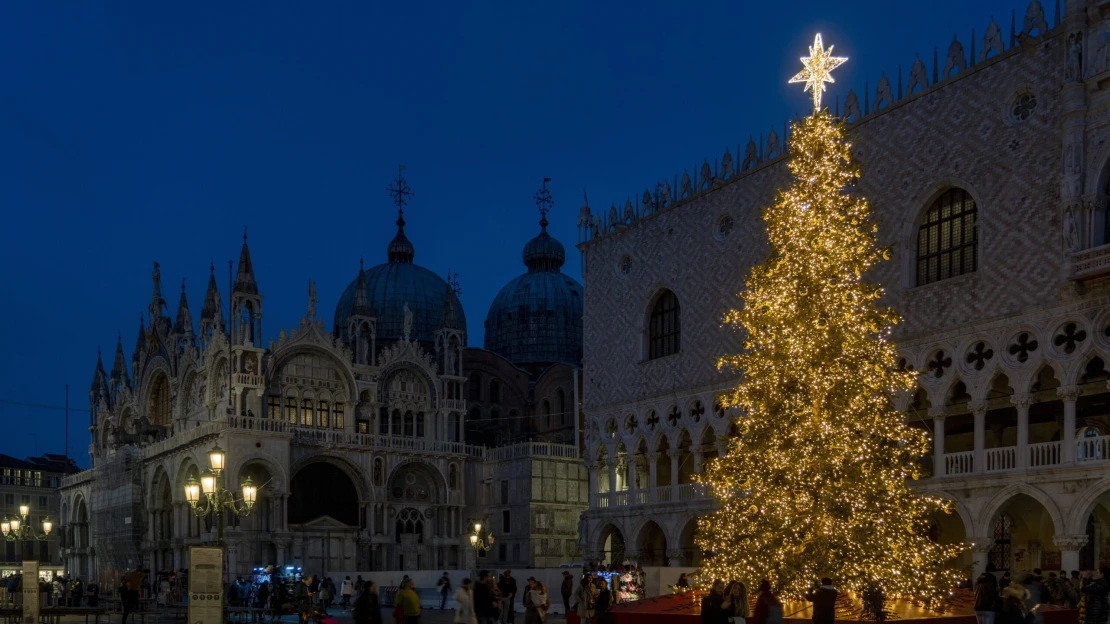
{"points": [[250, 492], [208, 482], [47, 525], [216, 459], [192, 491]]}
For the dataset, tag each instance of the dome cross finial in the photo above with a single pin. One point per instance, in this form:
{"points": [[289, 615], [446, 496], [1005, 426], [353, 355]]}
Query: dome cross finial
{"points": [[544, 202]]}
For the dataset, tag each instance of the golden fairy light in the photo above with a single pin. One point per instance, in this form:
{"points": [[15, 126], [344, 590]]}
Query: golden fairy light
{"points": [[815, 481], [817, 70]]}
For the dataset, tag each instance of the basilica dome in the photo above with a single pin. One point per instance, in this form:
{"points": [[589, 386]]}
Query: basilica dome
{"points": [[536, 319], [390, 286]]}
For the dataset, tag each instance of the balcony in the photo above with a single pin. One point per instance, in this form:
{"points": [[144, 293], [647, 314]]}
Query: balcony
{"points": [[1090, 263], [662, 494], [248, 379], [1088, 451]]}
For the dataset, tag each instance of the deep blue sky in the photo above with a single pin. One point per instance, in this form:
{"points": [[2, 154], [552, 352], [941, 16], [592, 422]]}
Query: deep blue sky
{"points": [[134, 132]]}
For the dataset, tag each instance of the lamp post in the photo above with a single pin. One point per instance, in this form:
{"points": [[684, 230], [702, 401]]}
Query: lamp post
{"points": [[217, 499], [480, 542], [20, 529]]}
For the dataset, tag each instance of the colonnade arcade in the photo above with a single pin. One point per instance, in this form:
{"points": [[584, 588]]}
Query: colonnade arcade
{"points": [[650, 541]]}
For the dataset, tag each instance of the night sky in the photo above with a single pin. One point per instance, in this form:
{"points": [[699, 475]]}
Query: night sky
{"points": [[139, 132]]}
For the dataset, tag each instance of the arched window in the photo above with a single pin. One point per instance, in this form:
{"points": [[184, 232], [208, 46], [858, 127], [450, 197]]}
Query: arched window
{"points": [[948, 239], [663, 326], [337, 416], [1000, 554], [274, 404], [291, 410], [420, 425], [322, 414], [408, 424], [159, 406], [306, 412], [396, 429], [495, 391], [474, 388]]}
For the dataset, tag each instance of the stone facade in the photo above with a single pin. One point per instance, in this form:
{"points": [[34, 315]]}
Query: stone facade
{"points": [[34, 482], [1012, 354], [359, 435]]}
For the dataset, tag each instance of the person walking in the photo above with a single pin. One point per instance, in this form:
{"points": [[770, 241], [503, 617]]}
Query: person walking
{"points": [[347, 590], [485, 607], [325, 596], [464, 603], [823, 598], [408, 602], [712, 611], [366, 608], [1093, 606], [768, 607], [988, 598], [507, 585], [444, 585], [583, 601], [736, 602], [566, 589]]}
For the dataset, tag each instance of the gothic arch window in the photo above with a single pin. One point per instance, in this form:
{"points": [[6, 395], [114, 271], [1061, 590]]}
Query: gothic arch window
{"points": [[420, 425], [664, 326], [948, 238], [291, 410], [396, 422], [1000, 555], [337, 416], [159, 405], [322, 414], [274, 407], [474, 388], [495, 391], [408, 424]]}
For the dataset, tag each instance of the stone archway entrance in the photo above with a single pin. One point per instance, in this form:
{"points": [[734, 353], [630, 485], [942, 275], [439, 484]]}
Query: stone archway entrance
{"points": [[324, 519]]}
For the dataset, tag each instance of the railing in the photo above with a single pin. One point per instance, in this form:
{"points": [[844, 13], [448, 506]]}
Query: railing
{"points": [[603, 500], [248, 379], [1045, 454], [182, 438], [663, 494], [256, 424], [1093, 449], [959, 463], [641, 497], [455, 405], [620, 498], [532, 449], [690, 491], [78, 478], [1003, 458], [1090, 263]]}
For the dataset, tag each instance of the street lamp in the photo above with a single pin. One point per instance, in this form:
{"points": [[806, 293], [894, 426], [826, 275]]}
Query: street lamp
{"points": [[217, 499], [481, 543], [19, 528]]}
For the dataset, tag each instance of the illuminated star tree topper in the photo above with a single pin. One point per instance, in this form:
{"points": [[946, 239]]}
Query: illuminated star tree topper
{"points": [[818, 69]]}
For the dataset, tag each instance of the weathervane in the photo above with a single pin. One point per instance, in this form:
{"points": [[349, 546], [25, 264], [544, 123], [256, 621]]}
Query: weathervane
{"points": [[818, 70], [453, 282], [400, 190], [544, 201]]}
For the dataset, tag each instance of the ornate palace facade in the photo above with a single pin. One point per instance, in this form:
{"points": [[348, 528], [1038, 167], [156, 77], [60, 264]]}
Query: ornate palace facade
{"points": [[988, 172]]}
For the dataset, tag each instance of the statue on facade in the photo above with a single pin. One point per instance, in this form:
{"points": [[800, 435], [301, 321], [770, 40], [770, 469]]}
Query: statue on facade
{"points": [[1073, 67], [1071, 231], [408, 321]]}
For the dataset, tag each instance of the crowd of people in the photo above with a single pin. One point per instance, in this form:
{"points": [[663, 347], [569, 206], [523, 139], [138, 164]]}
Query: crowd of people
{"points": [[1000, 600], [60, 592]]}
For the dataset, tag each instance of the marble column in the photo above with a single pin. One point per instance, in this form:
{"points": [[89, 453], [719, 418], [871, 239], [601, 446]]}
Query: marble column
{"points": [[612, 478], [1069, 394], [674, 454], [1069, 546], [1022, 402], [979, 458], [592, 467], [674, 557], [938, 414], [653, 460], [980, 551]]}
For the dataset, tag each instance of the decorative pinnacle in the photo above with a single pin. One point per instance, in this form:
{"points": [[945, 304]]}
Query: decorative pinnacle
{"points": [[453, 283], [183, 285], [360, 263], [244, 235], [544, 202], [818, 70], [400, 192]]}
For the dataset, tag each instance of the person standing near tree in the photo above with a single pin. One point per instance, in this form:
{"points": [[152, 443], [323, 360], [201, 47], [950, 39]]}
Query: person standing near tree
{"points": [[987, 598], [823, 598]]}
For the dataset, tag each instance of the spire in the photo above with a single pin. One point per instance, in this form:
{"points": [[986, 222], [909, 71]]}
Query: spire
{"points": [[99, 388], [362, 300], [450, 318], [184, 325], [400, 250], [119, 377], [140, 342], [156, 300], [244, 278], [211, 315]]}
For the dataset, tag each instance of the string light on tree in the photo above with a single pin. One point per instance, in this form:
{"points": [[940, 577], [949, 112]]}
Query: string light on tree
{"points": [[815, 483], [817, 69]]}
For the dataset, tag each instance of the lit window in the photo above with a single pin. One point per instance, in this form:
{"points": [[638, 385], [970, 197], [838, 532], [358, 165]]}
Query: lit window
{"points": [[306, 412], [337, 416], [274, 408], [322, 414], [947, 241], [291, 410]]}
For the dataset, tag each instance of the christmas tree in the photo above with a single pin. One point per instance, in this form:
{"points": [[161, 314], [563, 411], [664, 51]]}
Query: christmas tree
{"points": [[815, 483]]}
